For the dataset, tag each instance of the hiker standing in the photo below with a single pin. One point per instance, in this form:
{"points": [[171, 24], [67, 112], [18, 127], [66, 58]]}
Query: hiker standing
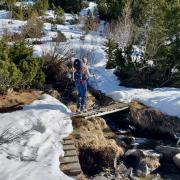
{"points": [[80, 76]]}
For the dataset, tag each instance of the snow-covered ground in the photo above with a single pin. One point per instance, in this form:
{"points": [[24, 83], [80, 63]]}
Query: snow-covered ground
{"points": [[4, 14], [25, 3], [7, 25], [91, 8], [166, 100], [30, 141]]}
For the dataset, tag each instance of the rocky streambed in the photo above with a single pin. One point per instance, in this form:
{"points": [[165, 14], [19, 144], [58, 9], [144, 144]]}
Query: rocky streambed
{"points": [[140, 143], [150, 140]]}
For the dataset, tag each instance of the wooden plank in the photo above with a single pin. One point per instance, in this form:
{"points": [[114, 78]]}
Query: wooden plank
{"points": [[70, 167], [69, 164], [116, 107], [70, 153], [70, 159], [67, 138], [68, 142], [105, 113], [75, 172], [69, 147]]}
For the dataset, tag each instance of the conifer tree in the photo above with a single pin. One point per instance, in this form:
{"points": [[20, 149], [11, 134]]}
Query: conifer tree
{"points": [[110, 49]]}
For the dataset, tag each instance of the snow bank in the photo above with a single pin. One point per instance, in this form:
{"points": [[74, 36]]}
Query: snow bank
{"points": [[29, 141], [4, 14], [166, 100], [91, 8], [25, 3], [49, 14], [11, 25]]}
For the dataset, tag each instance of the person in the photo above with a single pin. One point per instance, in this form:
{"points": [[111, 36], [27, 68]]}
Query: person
{"points": [[81, 83]]}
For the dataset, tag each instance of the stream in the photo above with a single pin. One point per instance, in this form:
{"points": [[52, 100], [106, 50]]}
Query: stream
{"points": [[130, 138]]}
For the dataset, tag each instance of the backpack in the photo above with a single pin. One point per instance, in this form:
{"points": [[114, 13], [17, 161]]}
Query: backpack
{"points": [[80, 70]]}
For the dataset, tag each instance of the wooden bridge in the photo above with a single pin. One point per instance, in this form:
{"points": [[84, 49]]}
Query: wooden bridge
{"points": [[102, 111]]}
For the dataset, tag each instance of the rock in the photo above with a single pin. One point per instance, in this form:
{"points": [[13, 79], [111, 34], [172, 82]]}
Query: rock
{"points": [[126, 139], [177, 137], [54, 93], [151, 121], [100, 178], [101, 97], [168, 152], [176, 160], [142, 169], [132, 157], [124, 132], [152, 153], [122, 172], [48, 87], [178, 142], [142, 162], [9, 91], [95, 160]]}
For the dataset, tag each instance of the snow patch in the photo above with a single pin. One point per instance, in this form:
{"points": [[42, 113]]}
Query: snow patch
{"points": [[29, 140], [91, 8]]}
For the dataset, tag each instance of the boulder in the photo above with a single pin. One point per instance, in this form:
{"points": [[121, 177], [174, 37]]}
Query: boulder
{"points": [[142, 162], [151, 121], [176, 160], [168, 151], [122, 170], [101, 97], [100, 178], [54, 93]]}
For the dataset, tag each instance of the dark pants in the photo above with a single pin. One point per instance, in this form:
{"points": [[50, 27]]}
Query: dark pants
{"points": [[81, 92]]}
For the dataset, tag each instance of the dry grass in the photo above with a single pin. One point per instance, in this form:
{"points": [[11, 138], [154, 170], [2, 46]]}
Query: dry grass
{"points": [[152, 162], [153, 121], [89, 134], [15, 100], [136, 105], [82, 177], [90, 101], [96, 152]]}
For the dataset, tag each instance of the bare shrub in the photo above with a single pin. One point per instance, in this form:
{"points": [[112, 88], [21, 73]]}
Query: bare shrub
{"points": [[33, 29], [60, 37], [121, 31], [56, 64]]}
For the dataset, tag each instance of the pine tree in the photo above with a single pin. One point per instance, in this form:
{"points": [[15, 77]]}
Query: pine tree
{"points": [[110, 10], [110, 49], [157, 23], [10, 4], [40, 6], [22, 55], [89, 24], [33, 28], [69, 6], [10, 76]]}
